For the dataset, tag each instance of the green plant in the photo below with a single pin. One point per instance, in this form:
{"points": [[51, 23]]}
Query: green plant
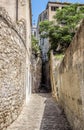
{"points": [[35, 46], [61, 34]]}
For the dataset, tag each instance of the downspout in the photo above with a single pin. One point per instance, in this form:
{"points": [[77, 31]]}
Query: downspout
{"points": [[16, 10]]}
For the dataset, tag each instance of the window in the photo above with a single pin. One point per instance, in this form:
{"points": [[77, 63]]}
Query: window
{"points": [[34, 33], [63, 7], [53, 8]]}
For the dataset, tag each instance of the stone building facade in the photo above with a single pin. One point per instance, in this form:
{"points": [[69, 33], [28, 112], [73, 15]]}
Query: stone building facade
{"points": [[15, 58], [67, 80], [43, 42]]}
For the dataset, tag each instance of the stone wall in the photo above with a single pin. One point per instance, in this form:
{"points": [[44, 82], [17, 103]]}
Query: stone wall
{"points": [[10, 6], [12, 69], [68, 85], [54, 72], [36, 73]]}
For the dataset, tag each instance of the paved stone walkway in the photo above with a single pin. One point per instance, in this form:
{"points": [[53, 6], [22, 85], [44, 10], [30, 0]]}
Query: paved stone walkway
{"points": [[41, 113]]}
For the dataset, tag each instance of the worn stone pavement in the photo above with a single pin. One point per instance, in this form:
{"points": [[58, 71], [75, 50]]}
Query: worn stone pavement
{"points": [[41, 113]]}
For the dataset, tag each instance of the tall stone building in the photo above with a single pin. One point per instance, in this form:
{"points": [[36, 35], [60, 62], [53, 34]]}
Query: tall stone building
{"points": [[43, 42], [15, 58]]}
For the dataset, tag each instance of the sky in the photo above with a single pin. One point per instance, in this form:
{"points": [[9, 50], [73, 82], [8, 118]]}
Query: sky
{"points": [[39, 5]]}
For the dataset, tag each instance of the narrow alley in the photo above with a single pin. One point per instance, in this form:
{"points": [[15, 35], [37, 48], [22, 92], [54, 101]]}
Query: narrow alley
{"points": [[41, 65], [41, 113]]}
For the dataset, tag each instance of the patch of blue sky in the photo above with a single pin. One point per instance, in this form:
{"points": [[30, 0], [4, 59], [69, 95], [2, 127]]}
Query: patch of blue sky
{"points": [[39, 5]]}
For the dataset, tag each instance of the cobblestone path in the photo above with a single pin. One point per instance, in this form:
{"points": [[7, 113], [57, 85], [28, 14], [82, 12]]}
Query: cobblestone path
{"points": [[41, 113]]}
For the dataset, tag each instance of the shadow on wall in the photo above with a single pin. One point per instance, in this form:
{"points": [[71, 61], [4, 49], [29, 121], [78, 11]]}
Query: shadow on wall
{"points": [[53, 117], [45, 81]]}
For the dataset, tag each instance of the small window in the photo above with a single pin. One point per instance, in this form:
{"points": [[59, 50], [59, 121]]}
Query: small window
{"points": [[63, 7], [53, 8], [34, 33]]}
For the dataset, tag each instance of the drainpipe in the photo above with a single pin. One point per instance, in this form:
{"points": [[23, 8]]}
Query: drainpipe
{"points": [[16, 10]]}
